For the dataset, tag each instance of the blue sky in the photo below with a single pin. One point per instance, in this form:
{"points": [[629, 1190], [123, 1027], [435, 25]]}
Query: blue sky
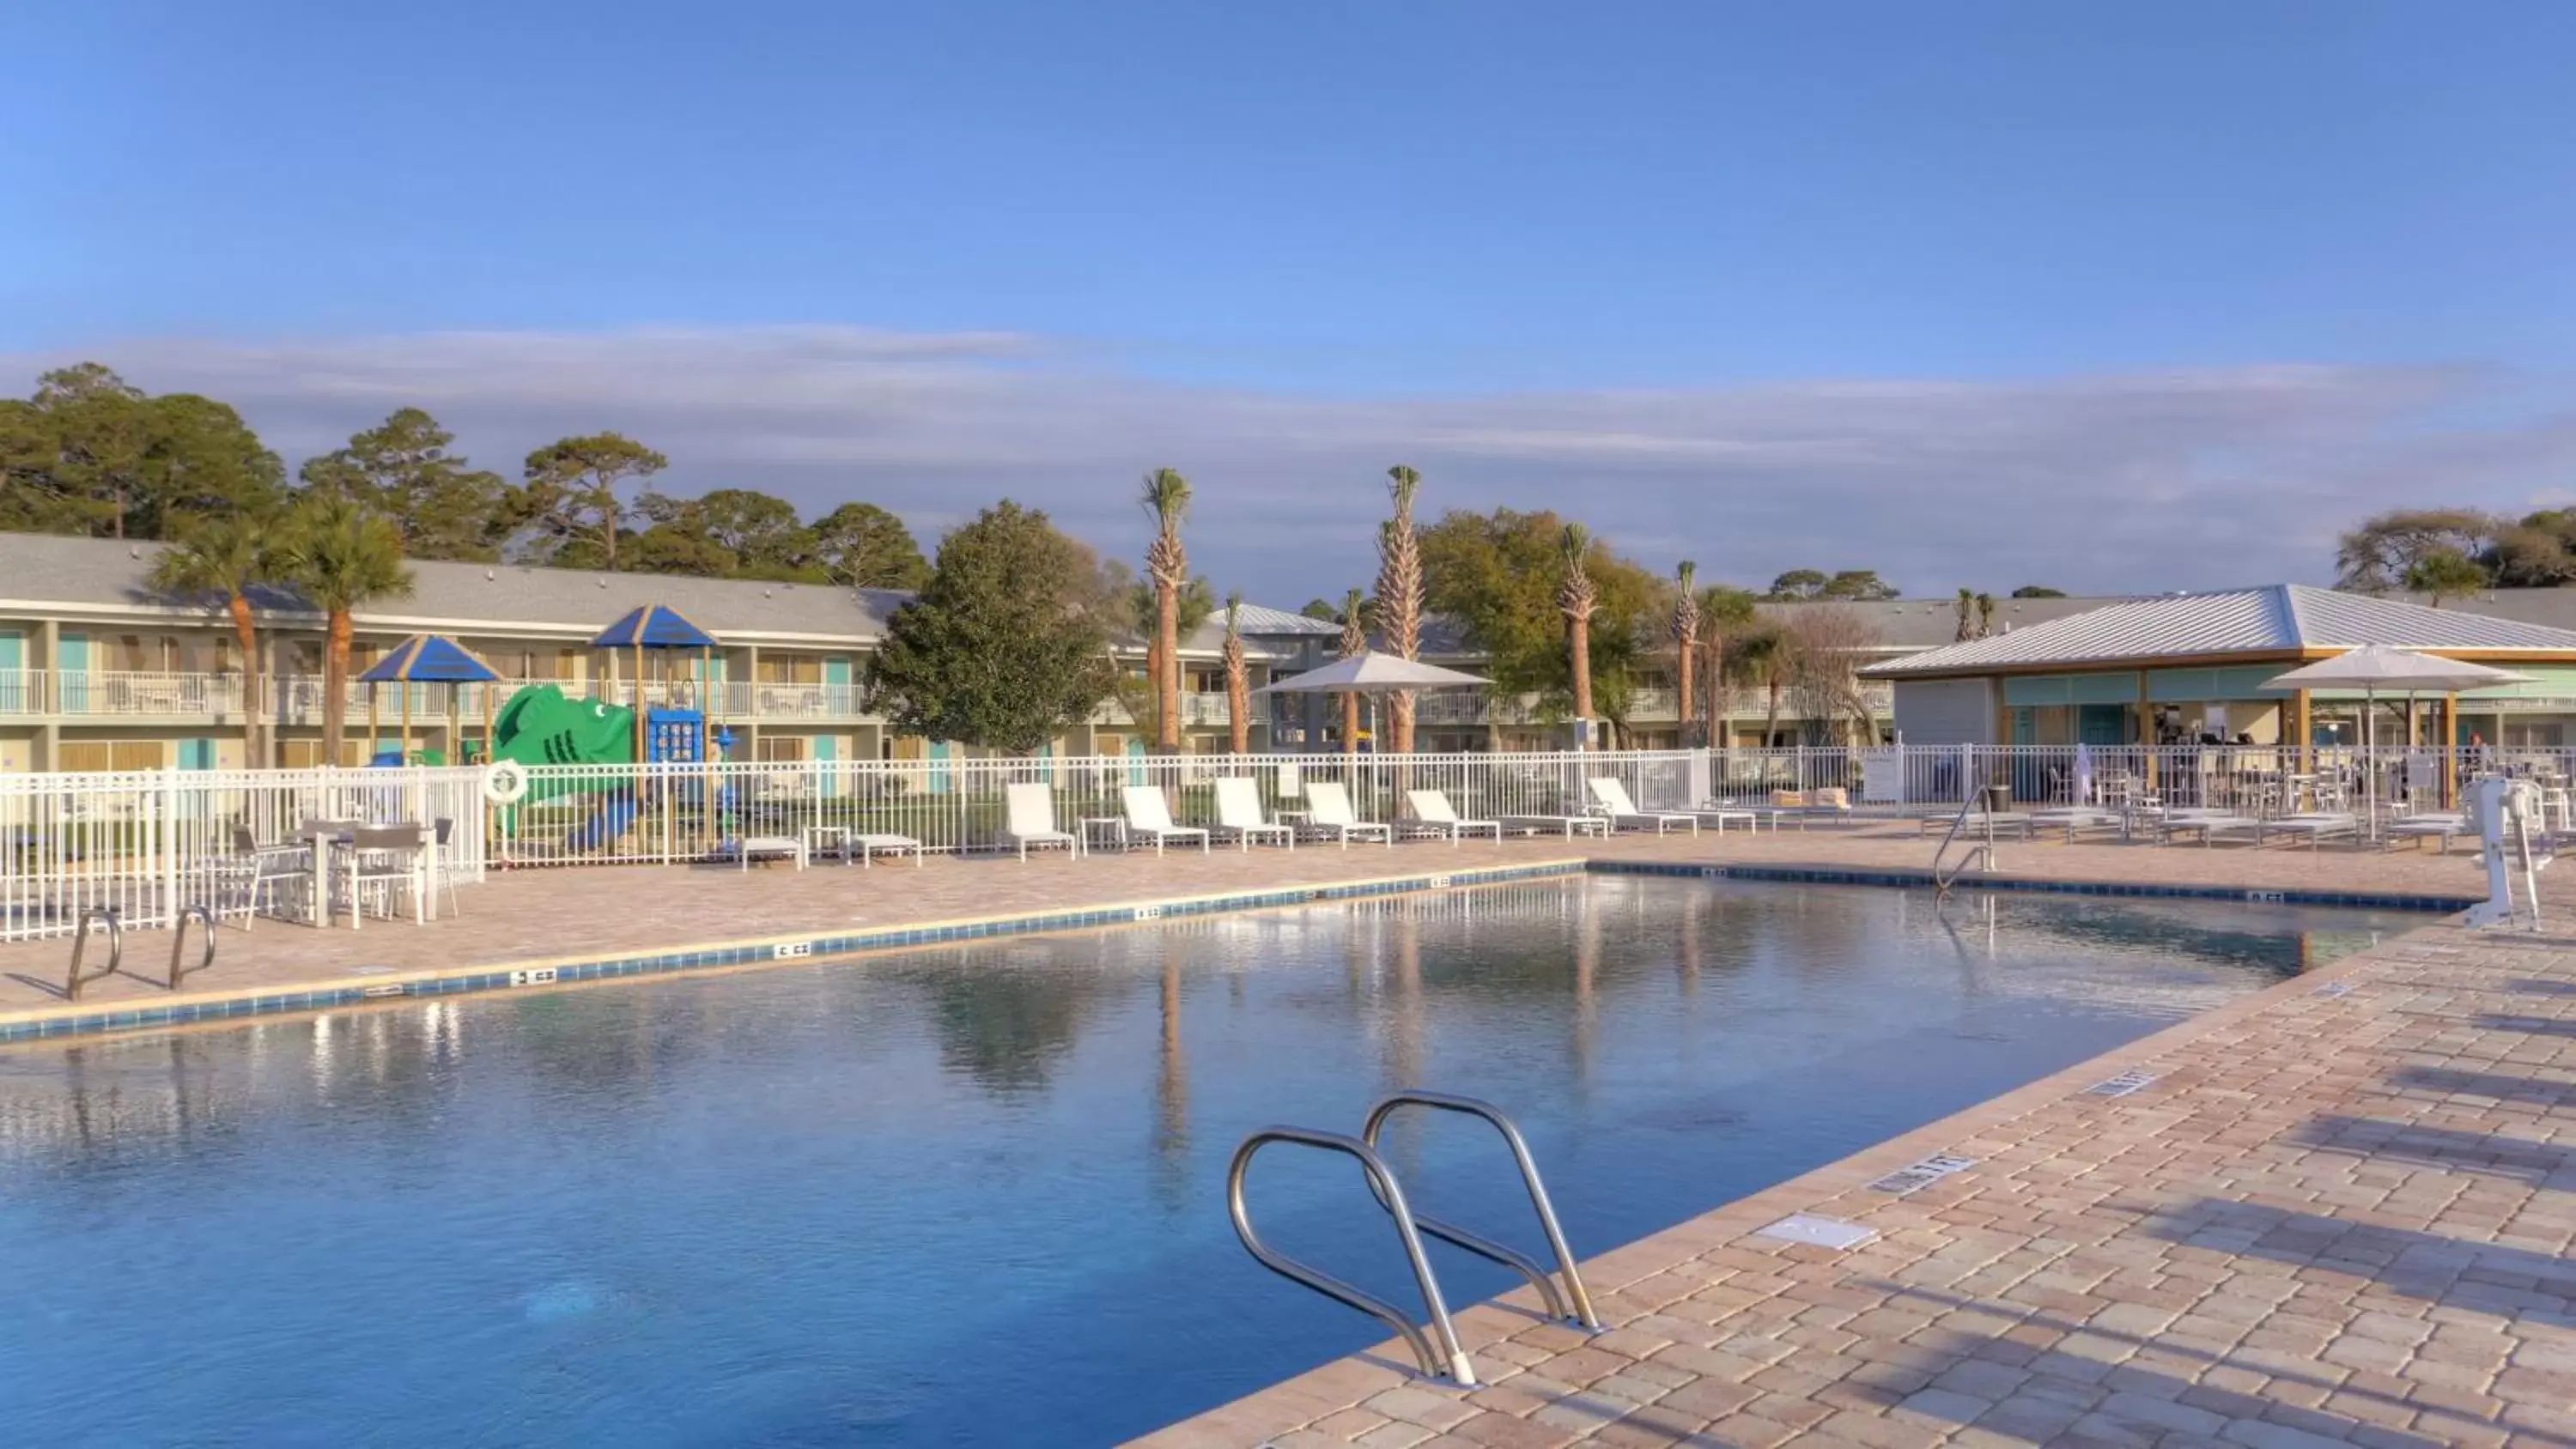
{"points": [[1849, 285]]}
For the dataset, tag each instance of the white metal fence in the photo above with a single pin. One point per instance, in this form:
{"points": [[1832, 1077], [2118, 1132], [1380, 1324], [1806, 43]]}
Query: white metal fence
{"points": [[148, 843]]}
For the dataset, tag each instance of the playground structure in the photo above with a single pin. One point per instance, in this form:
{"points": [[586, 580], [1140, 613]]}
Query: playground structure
{"points": [[542, 726]]}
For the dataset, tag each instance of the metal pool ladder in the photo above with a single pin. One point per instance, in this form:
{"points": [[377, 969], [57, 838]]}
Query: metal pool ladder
{"points": [[1980, 856], [1437, 1351]]}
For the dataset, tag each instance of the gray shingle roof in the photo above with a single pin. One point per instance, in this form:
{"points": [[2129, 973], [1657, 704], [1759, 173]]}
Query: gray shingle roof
{"points": [[2273, 620], [40, 571]]}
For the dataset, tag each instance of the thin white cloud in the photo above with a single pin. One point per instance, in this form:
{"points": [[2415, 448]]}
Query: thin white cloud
{"points": [[2137, 481]]}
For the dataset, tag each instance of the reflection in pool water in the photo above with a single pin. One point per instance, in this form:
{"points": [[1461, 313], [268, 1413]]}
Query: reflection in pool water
{"points": [[974, 1195]]}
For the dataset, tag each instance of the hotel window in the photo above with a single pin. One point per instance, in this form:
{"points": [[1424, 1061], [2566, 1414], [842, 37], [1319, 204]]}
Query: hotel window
{"points": [[791, 669], [147, 653], [782, 749], [307, 754]]}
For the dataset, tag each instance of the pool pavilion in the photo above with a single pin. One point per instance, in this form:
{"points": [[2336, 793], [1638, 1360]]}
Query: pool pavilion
{"points": [[2193, 669]]}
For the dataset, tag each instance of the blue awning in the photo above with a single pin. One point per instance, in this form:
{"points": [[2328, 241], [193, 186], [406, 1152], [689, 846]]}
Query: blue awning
{"points": [[430, 659], [654, 626]]}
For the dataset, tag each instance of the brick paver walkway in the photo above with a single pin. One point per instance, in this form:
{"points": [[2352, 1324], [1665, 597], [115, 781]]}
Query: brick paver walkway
{"points": [[2341, 1213], [524, 915]]}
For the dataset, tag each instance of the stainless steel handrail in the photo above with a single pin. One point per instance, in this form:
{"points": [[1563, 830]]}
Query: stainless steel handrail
{"points": [[1985, 854], [179, 942], [1448, 1359], [74, 980], [1573, 1305]]}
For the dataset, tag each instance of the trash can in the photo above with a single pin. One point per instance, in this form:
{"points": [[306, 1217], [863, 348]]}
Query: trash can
{"points": [[1999, 799]]}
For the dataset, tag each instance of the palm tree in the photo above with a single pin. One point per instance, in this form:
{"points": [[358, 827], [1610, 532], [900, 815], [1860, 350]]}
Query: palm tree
{"points": [[1167, 497], [227, 555], [1399, 596], [1967, 607], [1354, 644], [1686, 641], [1763, 658], [1985, 615], [341, 555], [1576, 598], [1238, 682]]}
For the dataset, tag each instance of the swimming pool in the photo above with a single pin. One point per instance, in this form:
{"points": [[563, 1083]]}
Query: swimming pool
{"points": [[974, 1195]]}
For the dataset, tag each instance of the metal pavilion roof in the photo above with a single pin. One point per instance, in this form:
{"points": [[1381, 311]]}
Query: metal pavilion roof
{"points": [[2272, 621]]}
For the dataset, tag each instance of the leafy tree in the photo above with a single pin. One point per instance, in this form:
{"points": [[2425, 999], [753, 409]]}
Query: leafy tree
{"points": [[224, 557], [864, 547], [2445, 575], [1167, 566], [1820, 656], [1238, 680], [2038, 591], [90, 454], [1799, 584], [1760, 659], [2537, 553], [1497, 575], [729, 533], [404, 468], [1006, 646], [1723, 613], [2374, 557], [569, 501], [1399, 592], [1863, 584], [1321, 611], [341, 554]]}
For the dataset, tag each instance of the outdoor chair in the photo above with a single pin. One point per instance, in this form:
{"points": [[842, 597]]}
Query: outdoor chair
{"points": [[2439, 824], [1238, 814], [1433, 815], [1329, 814], [387, 856], [1030, 808], [257, 870], [1148, 816], [1613, 798]]}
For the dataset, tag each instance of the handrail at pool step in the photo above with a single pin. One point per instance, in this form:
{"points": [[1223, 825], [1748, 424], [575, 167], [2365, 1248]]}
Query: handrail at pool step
{"points": [[73, 980], [1983, 855], [205, 917], [1573, 1305], [1438, 1352], [1447, 1359]]}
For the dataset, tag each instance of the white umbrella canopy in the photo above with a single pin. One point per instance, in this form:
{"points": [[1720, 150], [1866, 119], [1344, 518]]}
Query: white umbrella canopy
{"points": [[1370, 672], [2374, 667]]}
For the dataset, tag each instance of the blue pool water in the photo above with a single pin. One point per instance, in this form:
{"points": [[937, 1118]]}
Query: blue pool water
{"points": [[974, 1196]]}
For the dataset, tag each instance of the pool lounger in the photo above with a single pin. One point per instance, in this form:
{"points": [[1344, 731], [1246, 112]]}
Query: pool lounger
{"points": [[1587, 824], [787, 845], [1976, 822], [1717, 817], [2441, 827], [2315, 827], [2076, 821], [2209, 823], [869, 846]]}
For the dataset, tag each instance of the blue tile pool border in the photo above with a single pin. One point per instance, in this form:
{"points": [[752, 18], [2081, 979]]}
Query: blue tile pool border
{"points": [[128, 1016]]}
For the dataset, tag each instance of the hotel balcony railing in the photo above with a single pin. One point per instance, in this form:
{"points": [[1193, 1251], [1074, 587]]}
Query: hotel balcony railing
{"points": [[1202, 708], [297, 698], [1645, 706]]}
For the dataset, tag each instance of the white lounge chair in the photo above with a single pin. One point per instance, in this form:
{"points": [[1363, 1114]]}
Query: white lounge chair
{"points": [[1148, 816], [2441, 825], [1329, 813], [869, 846], [2210, 824], [1433, 815], [2077, 819], [1571, 825], [2315, 825], [790, 846], [1238, 814], [1612, 797], [1031, 809]]}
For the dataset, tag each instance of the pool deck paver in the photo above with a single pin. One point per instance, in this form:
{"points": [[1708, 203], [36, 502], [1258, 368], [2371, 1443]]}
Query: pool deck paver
{"points": [[2340, 1214], [515, 917]]}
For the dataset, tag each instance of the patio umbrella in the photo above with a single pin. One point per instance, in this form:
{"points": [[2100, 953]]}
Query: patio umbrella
{"points": [[428, 659], [2083, 774], [1369, 672], [2375, 667]]}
